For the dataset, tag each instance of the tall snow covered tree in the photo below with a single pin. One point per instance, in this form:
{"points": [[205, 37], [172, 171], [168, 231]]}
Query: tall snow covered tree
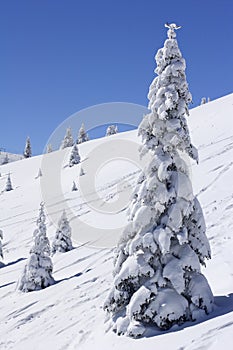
{"points": [[157, 276], [68, 139], [82, 135], [62, 241], [8, 184], [111, 130], [37, 273], [74, 156], [27, 150]]}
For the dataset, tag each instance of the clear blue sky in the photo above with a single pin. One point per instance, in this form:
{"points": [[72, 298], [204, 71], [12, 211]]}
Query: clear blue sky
{"points": [[60, 56]]}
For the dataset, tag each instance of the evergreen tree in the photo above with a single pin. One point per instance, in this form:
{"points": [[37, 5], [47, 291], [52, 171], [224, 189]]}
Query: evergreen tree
{"points": [[81, 173], [74, 156], [8, 184], [157, 276], [203, 100], [82, 135], [39, 173], [27, 150], [37, 273], [1, 252], [49, 148], [62, 241], [111, 130], [5, 159], [68, 139], [74, 187]]}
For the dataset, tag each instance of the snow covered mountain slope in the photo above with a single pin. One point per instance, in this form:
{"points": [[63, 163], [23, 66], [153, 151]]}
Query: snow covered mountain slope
{"points": [[69, 314], [9, 157]]}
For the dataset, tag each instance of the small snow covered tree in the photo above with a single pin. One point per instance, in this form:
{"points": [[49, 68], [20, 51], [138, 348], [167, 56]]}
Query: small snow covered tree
{"points": [[82, 135], [203, 100], [157, 276], [111, 130], [74, 187], [49, 148], [27, 150], [1, 252], [81, 173], [5, 159], [62, 241], [74, 156], [37, 273], [8, 184], [68, 139], [39, 174]]}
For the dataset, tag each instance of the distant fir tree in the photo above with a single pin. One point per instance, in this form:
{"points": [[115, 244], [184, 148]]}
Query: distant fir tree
{"points": [[37, 273], [74, 156], [157, 275], [49, 148], [81, 173], [1, 251], [82, 135], [111, 130], [62, 241], [39, 173], [5, 159], [27, 150], [203, 100], [8, 184], [74, 187], [68, 139]]}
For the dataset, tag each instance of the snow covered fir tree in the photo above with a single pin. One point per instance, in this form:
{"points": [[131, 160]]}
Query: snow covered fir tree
{"points": [[111, 130], [74, 156], [27, 150], [82, 172], [8, 184], [74, 187], [62, 241], [5, 159], [68, 139], [37, 273], [82, 135], [49, 148], [157, 276]]}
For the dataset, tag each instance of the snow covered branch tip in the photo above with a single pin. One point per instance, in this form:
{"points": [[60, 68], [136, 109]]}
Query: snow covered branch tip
{"points": [[171, 31]]}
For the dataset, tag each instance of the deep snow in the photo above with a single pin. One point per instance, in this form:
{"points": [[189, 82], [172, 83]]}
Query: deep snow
{"points": [[69, 314]]}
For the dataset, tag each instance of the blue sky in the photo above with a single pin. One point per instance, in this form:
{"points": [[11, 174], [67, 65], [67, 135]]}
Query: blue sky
{"points": [[60, 56]]}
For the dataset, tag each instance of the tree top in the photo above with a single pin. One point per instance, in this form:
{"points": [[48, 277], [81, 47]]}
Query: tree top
{"points": [[171, 31]]}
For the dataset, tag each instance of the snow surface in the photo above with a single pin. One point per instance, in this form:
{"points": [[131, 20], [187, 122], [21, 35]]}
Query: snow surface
{"points": [[69, 314], [11, 156]]}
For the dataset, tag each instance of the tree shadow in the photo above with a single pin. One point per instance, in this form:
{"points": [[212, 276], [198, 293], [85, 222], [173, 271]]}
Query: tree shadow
{"points": [[2, 265], [222, 306], [7, 284], [68, 278]]}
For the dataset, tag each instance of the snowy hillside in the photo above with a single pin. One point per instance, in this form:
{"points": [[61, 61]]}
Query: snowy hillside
{"points": [[69, 314], [9, 157]]}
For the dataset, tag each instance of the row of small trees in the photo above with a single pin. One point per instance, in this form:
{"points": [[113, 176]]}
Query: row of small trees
{"points": [[73, 160], [68, 140], [38, 270]]}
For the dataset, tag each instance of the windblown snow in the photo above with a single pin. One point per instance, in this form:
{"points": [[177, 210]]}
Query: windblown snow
{"points": [[69, 314]]}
